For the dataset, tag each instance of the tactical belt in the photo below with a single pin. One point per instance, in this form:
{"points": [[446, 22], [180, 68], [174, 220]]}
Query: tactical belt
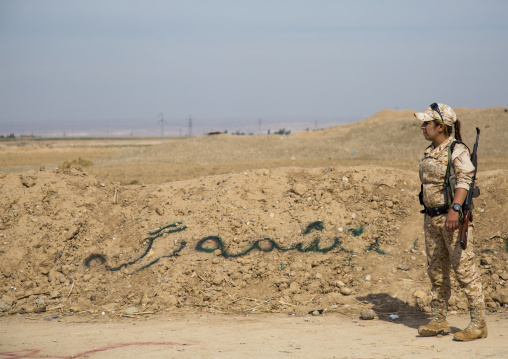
{"points": [[435, 211]]}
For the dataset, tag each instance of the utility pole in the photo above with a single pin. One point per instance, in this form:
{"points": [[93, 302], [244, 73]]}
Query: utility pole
{"points": [[259, 122], [190, 126], [162, 122]]}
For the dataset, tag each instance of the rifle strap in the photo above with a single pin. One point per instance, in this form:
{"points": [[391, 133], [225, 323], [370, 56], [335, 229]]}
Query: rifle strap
{"points": [[450, 179]]}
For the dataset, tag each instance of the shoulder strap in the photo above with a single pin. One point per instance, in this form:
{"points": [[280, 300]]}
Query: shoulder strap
{"points": [[450, 179]]}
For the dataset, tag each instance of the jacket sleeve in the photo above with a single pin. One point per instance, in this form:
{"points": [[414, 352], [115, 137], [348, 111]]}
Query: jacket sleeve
{"points": [[464, 169]]}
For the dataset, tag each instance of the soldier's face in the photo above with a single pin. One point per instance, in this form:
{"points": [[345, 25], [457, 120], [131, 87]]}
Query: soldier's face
{"points": [[430, 130]]}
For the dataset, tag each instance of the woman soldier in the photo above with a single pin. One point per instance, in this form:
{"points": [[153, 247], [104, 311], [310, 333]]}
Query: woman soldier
{"points": [[443, 221]]}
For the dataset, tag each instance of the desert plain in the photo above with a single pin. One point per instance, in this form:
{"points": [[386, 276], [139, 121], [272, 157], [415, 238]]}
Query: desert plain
{"points": [[221, 246]]}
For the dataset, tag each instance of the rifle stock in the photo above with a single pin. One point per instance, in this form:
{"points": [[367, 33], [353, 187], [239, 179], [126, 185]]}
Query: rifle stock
{"points": [[468, 217], [473, 192]]}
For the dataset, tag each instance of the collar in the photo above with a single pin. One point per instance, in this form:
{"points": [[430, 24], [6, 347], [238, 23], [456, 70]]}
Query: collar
{"points": [[439, 148]]}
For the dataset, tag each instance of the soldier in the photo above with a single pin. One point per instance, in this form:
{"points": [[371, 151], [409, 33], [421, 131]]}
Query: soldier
{"points": [[443, 221]]}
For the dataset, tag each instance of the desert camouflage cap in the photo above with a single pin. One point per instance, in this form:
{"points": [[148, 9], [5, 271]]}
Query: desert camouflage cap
{"points": [[449, 116]]}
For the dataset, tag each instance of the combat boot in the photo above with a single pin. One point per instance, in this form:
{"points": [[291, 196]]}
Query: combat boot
{"points": [[477, 329], [438, 324]]}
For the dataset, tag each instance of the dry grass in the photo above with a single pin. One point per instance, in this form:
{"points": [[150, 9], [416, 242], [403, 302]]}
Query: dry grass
{"points": [[388, 139], [24, 154]]}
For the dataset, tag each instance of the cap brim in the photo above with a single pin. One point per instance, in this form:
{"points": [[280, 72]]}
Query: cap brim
{"points": [[422, 116]]}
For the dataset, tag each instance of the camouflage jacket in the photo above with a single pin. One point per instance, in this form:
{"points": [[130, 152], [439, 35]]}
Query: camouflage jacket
{"points": [[433, 170]]}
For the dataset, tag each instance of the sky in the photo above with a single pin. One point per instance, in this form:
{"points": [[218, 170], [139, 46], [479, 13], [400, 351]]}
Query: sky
{"points": [[122, 66]]}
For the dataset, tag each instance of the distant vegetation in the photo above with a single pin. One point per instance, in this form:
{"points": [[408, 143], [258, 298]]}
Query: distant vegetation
{"points": [[79, 163], [282, 131]]}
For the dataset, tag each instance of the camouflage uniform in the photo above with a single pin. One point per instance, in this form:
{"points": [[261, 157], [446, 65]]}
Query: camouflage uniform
{"points": [[442, 247]]}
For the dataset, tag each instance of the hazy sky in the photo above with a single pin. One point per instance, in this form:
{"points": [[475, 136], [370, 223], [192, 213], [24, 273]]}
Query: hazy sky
{"points": [[65, 62]]}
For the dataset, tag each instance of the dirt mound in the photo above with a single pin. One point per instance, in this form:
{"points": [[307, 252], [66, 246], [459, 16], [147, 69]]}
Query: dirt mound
{"points": [[276, 238], [289, 240]]}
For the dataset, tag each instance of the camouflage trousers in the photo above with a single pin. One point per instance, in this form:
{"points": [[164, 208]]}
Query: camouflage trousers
{"points": [[443, 255]]}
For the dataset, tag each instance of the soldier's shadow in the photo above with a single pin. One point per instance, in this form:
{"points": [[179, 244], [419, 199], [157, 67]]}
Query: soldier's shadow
{"points": [[394, 310]]}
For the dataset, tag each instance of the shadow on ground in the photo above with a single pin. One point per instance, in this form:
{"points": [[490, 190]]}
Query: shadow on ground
{"points": [[394, 310]]}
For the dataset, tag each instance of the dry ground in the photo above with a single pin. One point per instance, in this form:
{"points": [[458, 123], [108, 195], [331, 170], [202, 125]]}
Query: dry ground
{"points": [[389, 139], [127, 232], [258, 336]]}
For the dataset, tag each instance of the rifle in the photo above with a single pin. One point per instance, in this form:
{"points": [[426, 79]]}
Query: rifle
{"points": [[473, 192]]}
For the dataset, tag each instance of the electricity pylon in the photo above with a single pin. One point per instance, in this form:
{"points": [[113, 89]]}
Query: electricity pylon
{"points": [[162, 123]]}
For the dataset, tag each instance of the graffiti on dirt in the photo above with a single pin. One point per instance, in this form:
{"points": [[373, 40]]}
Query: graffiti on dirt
{"points": [[268, 244], [170, 228], [211, 244]]}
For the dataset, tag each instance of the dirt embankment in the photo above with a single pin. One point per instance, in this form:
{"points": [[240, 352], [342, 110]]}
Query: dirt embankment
{"points": [[250, 229], [287, 240]]}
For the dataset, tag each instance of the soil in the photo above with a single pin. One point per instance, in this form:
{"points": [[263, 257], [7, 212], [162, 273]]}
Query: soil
{"points": [[207, 335], [255, 247]]}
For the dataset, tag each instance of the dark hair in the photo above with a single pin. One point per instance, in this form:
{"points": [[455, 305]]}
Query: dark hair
{"points": [[458, 136], [448, 129]]}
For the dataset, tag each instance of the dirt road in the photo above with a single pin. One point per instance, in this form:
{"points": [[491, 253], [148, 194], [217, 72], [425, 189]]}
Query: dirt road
{"points": [[255, 336]]}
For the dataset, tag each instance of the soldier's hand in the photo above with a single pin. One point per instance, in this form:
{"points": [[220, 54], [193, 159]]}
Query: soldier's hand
{"points": [[452, 221]]}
